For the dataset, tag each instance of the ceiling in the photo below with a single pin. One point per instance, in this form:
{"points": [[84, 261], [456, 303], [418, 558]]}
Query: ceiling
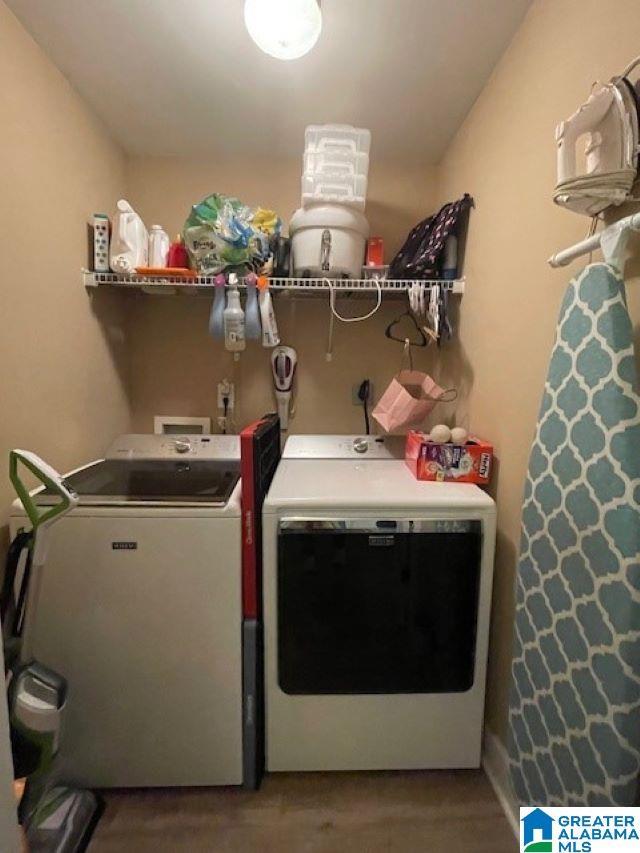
{"points": [[182, 77]]}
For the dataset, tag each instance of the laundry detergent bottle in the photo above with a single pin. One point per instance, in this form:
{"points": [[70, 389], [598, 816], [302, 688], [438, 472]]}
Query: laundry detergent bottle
{"points": [[234, 327], [129, 240], [178, 256]]}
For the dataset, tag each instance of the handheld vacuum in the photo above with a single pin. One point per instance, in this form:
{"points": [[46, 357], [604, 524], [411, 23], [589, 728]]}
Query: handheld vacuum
{"points": [[55, 818], [283, 364]]}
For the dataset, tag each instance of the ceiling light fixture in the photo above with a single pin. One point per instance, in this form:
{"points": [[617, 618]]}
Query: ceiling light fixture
{"points": [[285, 29]]}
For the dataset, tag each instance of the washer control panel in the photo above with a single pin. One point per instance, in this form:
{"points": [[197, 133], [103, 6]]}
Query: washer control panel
{"points": [[142, 446], [344, 447]]}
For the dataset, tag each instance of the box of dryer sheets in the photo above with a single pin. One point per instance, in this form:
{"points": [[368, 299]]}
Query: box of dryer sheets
{"points": [[455, 463]]}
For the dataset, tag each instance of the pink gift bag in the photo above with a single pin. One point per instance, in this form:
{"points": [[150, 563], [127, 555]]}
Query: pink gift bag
{"points": [[408, 400]]}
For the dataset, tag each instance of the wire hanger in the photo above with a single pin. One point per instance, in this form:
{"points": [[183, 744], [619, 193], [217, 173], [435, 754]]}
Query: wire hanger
{"points": [[422, 342]]}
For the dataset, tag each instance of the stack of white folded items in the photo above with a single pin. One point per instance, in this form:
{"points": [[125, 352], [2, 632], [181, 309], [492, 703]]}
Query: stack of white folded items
{"points": [[336, 165]]}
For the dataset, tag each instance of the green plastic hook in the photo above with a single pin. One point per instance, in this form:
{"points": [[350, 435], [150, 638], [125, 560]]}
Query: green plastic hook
{"points": [[46, 475]]}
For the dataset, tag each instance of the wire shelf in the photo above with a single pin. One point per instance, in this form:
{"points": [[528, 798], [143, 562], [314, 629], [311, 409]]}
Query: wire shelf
{"points": [[206, 284]]}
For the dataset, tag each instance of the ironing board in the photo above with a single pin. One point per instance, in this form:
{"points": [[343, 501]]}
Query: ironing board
{"points": [[574, 726]]}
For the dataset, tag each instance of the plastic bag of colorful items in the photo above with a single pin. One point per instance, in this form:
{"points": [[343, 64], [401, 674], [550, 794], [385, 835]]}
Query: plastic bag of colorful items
{"points": [[223, 234]]}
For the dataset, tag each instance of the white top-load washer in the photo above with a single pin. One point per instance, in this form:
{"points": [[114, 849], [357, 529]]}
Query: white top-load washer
{"points": [[377, 595], [139, 608]]}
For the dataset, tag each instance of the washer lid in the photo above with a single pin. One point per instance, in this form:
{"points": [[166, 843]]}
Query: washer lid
{"points": [[175, 482], [372, 484]]}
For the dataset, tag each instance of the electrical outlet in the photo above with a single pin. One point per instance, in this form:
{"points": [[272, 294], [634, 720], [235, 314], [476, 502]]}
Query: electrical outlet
{"points": [[226, 389], [354, 393]]}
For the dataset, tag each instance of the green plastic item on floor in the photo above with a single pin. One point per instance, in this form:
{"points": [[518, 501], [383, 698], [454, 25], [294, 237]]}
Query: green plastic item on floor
{"points": [[55, 818]]}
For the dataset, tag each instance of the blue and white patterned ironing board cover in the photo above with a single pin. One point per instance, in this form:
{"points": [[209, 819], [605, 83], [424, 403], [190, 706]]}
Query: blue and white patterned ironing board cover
{"points": [[575, 695]]}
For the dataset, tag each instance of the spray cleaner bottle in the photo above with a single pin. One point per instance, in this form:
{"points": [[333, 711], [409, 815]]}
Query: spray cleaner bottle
{"points": [[270, 336], [216, 318], [251, 310], [234, 332]]}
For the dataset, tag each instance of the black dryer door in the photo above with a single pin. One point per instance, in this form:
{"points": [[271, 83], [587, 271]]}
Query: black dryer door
{"points": [[380, 606]]}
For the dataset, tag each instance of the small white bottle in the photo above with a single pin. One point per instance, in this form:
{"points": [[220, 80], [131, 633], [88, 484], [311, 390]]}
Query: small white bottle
{"points": [[234, 333], [159, 243]]}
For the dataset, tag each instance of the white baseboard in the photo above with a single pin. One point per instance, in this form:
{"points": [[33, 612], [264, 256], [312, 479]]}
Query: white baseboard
{"points": [[495, 762]]}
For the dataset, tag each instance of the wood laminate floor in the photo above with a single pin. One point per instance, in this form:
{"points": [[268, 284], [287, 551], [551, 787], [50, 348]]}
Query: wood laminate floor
{"points": [[417, 812]]}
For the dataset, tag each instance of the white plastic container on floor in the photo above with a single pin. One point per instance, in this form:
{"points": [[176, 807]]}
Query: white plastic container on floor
{"points": [[337, 137]]}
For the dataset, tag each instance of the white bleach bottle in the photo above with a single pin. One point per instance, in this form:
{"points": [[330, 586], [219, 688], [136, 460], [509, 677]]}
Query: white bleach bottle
{"points": [[234, 331], [159, 243]]}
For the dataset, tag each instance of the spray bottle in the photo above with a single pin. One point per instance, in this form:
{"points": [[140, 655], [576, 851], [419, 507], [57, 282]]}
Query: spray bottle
{"points": [[234, 337], [270, 336], [251, 310], [216, 318]]}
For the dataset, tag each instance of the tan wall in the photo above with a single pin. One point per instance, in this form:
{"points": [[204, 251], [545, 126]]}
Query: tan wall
{"points": [[176, 365], [504, 155], [63, 365]]}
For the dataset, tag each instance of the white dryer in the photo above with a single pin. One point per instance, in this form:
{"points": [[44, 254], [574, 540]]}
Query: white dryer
{"points": [[139, 607], [377, 596]]}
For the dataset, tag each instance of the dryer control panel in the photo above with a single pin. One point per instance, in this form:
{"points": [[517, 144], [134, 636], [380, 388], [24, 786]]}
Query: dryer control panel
{"points": [[147, 446], [344, 447]]}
